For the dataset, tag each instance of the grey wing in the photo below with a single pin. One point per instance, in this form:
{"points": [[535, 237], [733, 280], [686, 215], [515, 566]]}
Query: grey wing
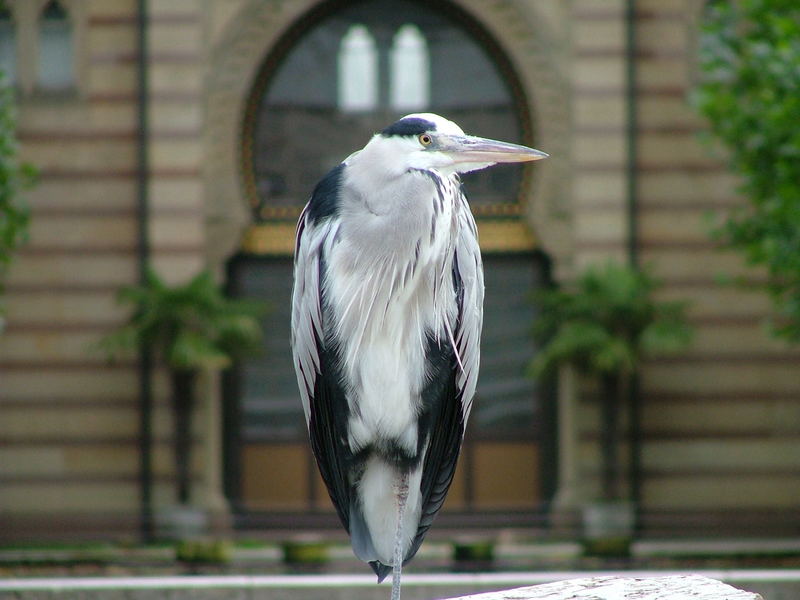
{"points": [[457, 376], [307, 307], [316, 362], [469, 324]]}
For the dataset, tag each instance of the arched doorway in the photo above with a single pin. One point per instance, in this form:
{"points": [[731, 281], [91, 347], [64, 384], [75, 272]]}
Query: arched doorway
{"points": [[340, 73]]}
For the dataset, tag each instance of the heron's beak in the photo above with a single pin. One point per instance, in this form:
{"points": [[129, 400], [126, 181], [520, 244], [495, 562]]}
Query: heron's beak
{"points": [[471, 149]]}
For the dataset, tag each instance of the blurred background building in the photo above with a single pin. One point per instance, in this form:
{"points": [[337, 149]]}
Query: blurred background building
{"points": [[189, 133]]}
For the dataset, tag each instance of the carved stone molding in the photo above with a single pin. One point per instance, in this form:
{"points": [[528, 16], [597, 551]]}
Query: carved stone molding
{"points": [[533, 52]]}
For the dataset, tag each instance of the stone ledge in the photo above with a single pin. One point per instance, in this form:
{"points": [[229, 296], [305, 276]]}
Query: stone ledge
{"points": [[671, 587], [772, 584]]}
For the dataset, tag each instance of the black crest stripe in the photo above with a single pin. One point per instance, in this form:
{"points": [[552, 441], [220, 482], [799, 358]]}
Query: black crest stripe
{"points": [[411, 126]]}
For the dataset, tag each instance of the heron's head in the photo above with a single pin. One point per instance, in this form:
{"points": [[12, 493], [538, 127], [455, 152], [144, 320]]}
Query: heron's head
{"points": [[428, 141]]}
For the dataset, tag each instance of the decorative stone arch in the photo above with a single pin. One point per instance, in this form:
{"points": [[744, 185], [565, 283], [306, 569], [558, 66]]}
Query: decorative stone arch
{"points": [[256, 29]]}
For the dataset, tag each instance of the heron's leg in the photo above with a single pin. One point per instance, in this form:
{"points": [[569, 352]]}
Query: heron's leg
{"points": [[402, 497]]}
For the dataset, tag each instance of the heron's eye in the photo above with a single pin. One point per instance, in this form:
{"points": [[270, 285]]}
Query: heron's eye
{"points": [[425, 139]]}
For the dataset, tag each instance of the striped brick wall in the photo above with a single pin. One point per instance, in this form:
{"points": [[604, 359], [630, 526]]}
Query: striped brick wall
{"points": [[69, 420], [721, 421]]}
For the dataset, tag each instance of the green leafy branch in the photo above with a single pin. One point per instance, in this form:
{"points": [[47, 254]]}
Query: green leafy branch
{"points": [[606, 323], [750, 95], [192, 326]]}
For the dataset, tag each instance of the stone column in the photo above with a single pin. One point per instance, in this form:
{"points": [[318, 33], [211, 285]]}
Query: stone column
{"points": [[210, 497], [567, 499]]}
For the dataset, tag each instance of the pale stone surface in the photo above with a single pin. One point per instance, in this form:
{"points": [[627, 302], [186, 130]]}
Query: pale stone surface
{"points": [[672, 587]]}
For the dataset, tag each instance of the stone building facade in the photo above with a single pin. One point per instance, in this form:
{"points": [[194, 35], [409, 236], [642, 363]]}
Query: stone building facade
{"points": [[719, 427]]}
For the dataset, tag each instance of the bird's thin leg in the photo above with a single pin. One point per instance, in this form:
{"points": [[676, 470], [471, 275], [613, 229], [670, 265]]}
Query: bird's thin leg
{"points": [[402, 497]]}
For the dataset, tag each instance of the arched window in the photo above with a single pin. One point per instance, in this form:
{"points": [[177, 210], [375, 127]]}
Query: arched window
{"points": [[410, 70], [56, 69], [8, 44], [345, 77], [358, 71]]}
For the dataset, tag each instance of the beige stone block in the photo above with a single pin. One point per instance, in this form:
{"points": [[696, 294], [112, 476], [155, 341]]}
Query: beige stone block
{"points": [[694, 263], [666, 186], [721, 492], [608, 205], [176, 77], [598, 186], [585, 258], [661, 111], [720, 377], [114, 460], [598, 73], [701, 418], [726, 454], [83, 231], [74, 496], [599, 111], [184, 194], [786, 417], [689, 225], [171, 7], [723, 338], [81, 117], [173, 116], [671, 148], [88, 384], [75, 270], [669, 7], [594, 226], [36, 460], [44, 307], [45, 117], [77, 423], [591, 6], [114, 117], [662, 35], [718, 300], [110, 8], [221, 17], [176, 153], [52, 345], [82, 194], [89, 155], [183, 38], [176, 268], [180, 230], [606, 148], [112, 40], [112, 78], [661, 72], [599, 35]]}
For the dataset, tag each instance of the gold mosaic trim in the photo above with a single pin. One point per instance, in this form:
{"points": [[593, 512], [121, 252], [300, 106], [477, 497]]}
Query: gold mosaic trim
{"points": [[495, 236]]}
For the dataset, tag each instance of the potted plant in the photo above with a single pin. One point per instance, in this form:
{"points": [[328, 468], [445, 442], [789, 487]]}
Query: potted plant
{"points": [[191, 328], [603, 326]]}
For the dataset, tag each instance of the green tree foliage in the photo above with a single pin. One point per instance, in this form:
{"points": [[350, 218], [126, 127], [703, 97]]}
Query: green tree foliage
{"points": [[14, 178], [606, 323], [192, 326], [750, 94], [604, 326]]}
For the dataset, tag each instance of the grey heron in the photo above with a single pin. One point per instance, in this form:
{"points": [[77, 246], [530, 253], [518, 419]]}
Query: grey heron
{"points": [[387, 309]]}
